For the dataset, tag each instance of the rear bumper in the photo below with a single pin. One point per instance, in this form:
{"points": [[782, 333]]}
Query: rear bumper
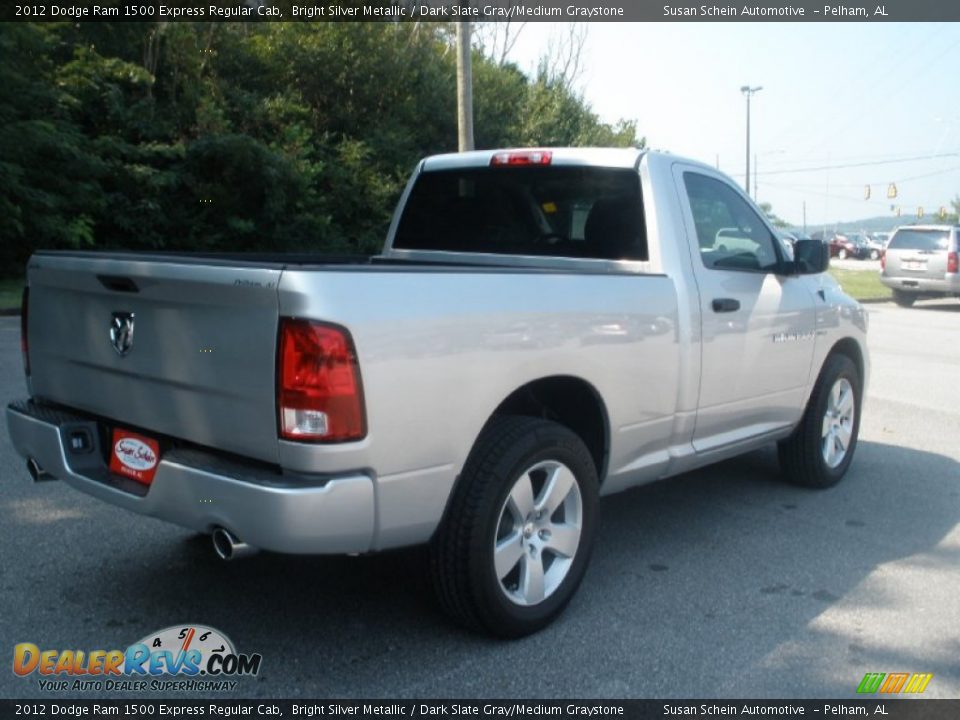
{"points": [[195, 490], [949, 283]]}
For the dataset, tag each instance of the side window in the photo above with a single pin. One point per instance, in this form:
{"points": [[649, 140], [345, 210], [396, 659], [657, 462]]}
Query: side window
{"points": [[730, 233]]}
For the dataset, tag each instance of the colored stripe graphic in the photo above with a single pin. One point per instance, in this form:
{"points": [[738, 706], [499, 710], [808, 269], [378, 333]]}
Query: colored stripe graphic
{"points": [[871, 682], [918, 682], [893, 683]]}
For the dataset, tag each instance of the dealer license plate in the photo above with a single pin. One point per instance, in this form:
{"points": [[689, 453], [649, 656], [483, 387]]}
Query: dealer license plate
{"points": [[134, 456]]}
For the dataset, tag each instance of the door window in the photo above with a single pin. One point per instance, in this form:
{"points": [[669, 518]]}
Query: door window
{"points": [[730, 234]]}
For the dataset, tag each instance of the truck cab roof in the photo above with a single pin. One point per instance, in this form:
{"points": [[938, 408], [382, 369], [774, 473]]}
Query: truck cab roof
{"points": [[601, 157]]}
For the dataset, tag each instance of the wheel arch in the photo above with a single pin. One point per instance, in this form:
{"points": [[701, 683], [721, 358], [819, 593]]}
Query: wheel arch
{"points": [[565, 399], [569, 401], [851, 348]]}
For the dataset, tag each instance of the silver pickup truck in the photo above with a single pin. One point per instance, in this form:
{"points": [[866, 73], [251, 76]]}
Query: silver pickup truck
{"points": [[543, 327]]}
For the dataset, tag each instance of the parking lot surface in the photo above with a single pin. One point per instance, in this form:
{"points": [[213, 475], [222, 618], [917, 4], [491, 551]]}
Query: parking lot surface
{"points": [[720, 583]]}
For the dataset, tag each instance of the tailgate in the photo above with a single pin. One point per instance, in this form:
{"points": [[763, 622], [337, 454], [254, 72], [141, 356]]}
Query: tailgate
{"points": [[917, 263], [201, 355]]}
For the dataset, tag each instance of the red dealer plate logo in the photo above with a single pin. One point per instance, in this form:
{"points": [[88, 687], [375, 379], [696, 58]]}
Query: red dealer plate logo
{"points": [[134, 456]]}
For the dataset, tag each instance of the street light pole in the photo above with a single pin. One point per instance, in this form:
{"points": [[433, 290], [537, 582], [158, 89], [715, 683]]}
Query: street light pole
{"points": [[749, 91]]}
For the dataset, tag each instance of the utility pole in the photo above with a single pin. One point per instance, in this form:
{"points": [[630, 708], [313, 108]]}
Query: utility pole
{"points": [[464, 89], [749, 91], [804, 217], [755, 165]]}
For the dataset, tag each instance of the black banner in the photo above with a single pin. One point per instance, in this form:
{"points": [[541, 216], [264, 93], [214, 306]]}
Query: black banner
{"points": [[482, 10], [879, 709]]}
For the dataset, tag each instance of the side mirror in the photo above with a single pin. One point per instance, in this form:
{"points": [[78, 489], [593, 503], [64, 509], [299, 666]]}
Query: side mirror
{"points": [[810, 257]]}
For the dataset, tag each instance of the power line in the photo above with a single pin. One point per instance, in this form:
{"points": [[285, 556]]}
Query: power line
{"points": [[886, 181], [828, 195], [846, 198], [850, 158], [855, 165]]}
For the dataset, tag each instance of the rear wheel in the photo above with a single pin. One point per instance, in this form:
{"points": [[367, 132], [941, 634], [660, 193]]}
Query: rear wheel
{"points": [[874, 254], [518, 534], [842, 253], [903, 299], [821, 449]]}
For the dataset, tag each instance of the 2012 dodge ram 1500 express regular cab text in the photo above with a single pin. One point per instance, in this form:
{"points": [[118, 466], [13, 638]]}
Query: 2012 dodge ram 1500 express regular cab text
{"points": [[543, 327]]}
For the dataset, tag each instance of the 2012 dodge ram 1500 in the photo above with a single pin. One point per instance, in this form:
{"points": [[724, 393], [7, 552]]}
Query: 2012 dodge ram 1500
{"points": [[542, 328]]}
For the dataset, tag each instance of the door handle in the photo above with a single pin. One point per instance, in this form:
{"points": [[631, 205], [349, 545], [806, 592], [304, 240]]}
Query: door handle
{"points": [[722, 305]]}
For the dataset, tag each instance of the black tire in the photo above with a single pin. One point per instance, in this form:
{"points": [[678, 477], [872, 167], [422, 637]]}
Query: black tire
{"points": [[801, 455], [462, 552], [904, 299]]}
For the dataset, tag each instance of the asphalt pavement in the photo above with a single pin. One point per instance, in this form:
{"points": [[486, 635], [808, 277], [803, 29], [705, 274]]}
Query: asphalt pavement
{"points": [[724, 582]]}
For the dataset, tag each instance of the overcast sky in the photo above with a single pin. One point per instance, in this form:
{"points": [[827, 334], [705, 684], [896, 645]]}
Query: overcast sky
{"points": [[834, 94]]}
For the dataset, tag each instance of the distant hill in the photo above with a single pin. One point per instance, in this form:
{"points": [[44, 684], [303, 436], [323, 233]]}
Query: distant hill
{"points": [[883, 223]]}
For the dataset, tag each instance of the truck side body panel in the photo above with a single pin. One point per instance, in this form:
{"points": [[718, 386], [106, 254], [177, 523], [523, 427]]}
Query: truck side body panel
{"points": [[440, 351]]}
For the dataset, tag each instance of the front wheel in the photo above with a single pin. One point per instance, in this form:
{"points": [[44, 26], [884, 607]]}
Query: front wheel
{"points": [[874, 254], [842, 253], [515, 543], [820, 450]]}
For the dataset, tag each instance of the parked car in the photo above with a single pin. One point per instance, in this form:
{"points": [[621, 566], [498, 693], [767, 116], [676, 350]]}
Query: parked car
{"points": [[921, 261], [843, 247], [788, 240], [526, 342], [876, 247], [881, 238]]}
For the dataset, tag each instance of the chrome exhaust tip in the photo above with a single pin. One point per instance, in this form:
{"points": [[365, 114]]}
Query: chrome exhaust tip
{"points": [[38, 473], [228, 547]]}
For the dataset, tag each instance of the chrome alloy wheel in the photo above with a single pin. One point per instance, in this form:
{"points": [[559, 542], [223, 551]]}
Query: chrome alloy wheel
{"points": [[837, 430], [538, 533]]}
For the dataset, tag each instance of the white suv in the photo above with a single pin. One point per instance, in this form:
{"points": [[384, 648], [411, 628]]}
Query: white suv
{"points": [[921, 261]]}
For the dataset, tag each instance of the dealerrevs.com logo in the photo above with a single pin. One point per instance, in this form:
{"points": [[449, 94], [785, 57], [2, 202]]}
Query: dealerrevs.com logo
{"points": [[180, 657]]}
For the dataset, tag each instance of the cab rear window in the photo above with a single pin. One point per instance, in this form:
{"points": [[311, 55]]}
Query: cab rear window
{"points": [[929, 240], [540, 211]]}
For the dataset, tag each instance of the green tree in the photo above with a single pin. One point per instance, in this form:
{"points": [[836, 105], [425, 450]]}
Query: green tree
{"points": [[241, 136], [953, 216], [772, 216], [555, 115]]}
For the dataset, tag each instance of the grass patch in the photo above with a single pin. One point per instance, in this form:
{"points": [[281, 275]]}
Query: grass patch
{"points": [[862, 284], [10, 289]]}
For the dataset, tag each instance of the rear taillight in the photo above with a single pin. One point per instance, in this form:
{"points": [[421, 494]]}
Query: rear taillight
{"points": [[952, 263], [319, 396], [522, 157], [24, 325], [883, 260]]}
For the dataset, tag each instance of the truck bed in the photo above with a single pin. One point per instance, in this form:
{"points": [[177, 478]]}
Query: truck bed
{"points": [[202, 365]]}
